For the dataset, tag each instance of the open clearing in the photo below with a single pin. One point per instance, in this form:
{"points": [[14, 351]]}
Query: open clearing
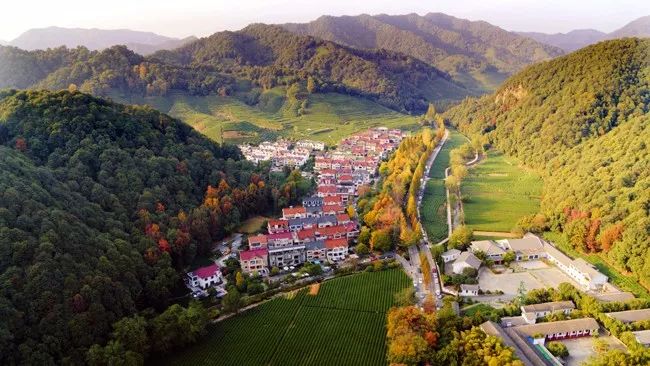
{"points": [[329, 116], [252, 225], [580, 349], [343, 324], [433, 209], [537, 276], [498, 192]]}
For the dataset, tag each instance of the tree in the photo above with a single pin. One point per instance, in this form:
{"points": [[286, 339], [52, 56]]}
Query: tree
{"points": [[240, 281], [132, 333], [461, 237], [405, 297], [380, 240], [361, 249], [311, 85], [509, 257], [231, 302], [558, 349]]}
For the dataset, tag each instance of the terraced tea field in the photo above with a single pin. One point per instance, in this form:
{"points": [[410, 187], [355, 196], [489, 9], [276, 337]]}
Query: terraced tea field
{"points": [[343, 324]]}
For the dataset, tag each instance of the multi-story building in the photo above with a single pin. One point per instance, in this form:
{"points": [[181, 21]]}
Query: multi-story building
{"points": [[205, 277], [255, 261]]}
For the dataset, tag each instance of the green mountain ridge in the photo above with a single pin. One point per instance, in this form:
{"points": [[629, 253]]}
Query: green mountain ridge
{"points": [[100, 206], [475, 53], [583, 121], [257, 57]]}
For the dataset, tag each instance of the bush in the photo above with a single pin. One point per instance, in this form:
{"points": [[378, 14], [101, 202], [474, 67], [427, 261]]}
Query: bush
{"points": [[558, 349]]}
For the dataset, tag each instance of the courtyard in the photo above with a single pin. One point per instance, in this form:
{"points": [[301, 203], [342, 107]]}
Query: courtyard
{"points": [[580, 349], [533, 274]]}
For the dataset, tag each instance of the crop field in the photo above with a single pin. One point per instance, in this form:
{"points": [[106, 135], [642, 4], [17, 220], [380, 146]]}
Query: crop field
{"points": [[329, 117], [342, 324], [498, 192], [433, 210]]}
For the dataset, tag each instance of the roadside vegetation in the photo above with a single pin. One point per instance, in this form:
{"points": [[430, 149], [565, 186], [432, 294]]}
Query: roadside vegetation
{"points": [[389, 213], [342, 324]]}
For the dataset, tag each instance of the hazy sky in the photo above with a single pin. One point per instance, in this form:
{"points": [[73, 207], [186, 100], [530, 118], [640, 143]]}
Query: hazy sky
{"points": [[180, 18]]}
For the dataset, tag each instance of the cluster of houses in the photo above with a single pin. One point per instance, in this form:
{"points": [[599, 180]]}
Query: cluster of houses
{"points": [[354, 163], [318, 231], [530, 247], [282, 153]]}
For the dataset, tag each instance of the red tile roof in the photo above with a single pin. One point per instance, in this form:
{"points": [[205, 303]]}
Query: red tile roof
{"points": [[257, 239], [336, 243], [205, 272], [293, 210], [342, 217], [278, 223], [330, 200], [255, 253], [279, 236], [306, 233], [327, 189]]}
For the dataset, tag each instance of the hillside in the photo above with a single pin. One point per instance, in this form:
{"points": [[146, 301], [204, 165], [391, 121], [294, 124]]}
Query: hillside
{"points": [[637, 28], [100, 204], [255, 59], [582, 120], [477, 54], [570, 41], [95, 39]]}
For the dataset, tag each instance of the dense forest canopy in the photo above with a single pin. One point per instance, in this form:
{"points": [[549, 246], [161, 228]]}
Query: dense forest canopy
{"points": [[473, 52], [228, 63], [582, 120], [101, 207]]}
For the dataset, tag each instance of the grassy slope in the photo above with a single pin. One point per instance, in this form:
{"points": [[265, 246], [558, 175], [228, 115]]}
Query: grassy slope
{"points": [[433, 210], [344, 324], [498, 192], [329, 117]]}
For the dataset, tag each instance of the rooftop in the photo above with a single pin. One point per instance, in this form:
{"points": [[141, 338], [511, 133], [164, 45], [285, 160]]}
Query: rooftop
{"points": [[615, 297], [563, 326], [631, 316], [464, 287], [548, 306], [487, 246], [208, 271], [255, 253], [336, 243], [642, 336], [526, 244], [469, 258], [451, 252]]}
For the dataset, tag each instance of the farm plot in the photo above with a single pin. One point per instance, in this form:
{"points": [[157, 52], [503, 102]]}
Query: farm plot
{"points": [[333, 337], [498, 192], [433, 210], [342, 324], [363, 292]]}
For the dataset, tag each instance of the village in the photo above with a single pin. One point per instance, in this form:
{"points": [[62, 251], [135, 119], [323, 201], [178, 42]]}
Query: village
{"points": [[321, 229], [497, 273]]}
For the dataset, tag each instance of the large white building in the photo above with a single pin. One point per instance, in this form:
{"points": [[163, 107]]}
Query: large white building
{"points": [[205, 277]]}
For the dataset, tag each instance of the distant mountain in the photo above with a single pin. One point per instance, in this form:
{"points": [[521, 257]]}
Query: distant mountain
{"points": [[95, 39], [636, 28], [580, 38], [475, 53], [257, 57], [570, 41]]}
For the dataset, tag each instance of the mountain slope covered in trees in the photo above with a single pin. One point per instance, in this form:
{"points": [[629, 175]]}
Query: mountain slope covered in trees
{"points": [[477, 54], [582, 120], [100, 206], [256, 58]]}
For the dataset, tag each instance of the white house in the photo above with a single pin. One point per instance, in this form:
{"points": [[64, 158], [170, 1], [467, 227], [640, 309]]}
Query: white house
{"points": [[465, 260], [205, 277], [468, 290], [450, 255], [489, 248], [531, 313], [582, 272]]}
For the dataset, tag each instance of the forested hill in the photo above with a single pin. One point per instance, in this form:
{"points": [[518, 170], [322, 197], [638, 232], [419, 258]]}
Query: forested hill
{"points": [[476, 53], [100, 205], [236, 62], [582, 119]]}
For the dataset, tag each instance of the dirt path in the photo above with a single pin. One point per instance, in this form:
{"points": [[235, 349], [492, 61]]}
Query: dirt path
{"points": [[496, 233]]}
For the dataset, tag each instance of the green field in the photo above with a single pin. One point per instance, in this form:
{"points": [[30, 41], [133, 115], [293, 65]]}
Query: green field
{"points": [[344, 324], [497, 192], [252, 225], [433, 210], [329, 117]]}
